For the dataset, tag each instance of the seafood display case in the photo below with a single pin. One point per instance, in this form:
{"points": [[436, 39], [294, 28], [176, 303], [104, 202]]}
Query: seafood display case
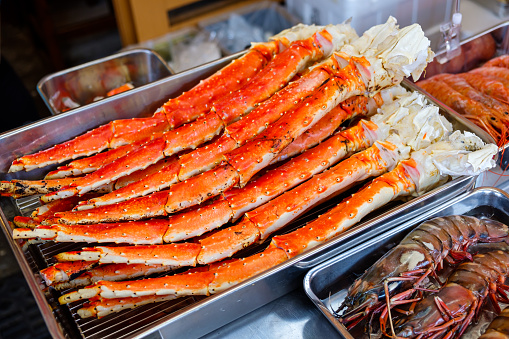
{"points": [[178, 318], [327, 284], [82, 85]]}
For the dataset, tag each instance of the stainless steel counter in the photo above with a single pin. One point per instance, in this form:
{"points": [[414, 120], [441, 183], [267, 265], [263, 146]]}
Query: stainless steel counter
{"points": [[291, 316]]}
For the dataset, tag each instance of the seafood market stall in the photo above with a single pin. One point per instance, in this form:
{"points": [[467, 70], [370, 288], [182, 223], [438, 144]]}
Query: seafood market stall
{"points": [[267, 299]]}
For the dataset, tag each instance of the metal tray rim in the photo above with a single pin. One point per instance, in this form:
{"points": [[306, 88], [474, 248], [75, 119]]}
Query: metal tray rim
{"points": [[104, 59], [47, 77]]}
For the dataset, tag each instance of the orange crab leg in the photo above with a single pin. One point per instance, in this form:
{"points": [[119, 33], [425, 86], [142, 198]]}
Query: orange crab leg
{"points": [[45, 213], [237, 271], [259, 152], [135, 232], [301, 168], [91, 164], [22, 188], [176, 255], [87, 144], [102, 307], [142, 174], [325, 127], [139, 208], [277, 213], [349, 212], [110, 272], [197, 221], [164, 177], [205, 158], [200, 188], [140, 158], [60, 272], [178, 285], [190, 105], [25, 222]]}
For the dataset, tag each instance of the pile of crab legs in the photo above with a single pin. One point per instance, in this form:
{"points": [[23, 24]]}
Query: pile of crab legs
{"points": [[379, 59], [410, 274]]}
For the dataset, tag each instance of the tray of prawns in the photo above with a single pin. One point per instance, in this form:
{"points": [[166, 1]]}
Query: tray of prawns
{"points": [[232, 189], [443, 273]]}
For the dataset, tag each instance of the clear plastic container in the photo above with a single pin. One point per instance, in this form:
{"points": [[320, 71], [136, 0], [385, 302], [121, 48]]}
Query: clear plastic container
{"points": [[235, 31]]}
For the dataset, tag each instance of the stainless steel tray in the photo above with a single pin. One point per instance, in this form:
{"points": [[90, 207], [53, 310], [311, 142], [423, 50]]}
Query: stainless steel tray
{"points": [[473, 55], [327, 284], [94, 79], [179, 318]]}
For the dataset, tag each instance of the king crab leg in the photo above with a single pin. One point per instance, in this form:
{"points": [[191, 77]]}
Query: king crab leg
{"points": [[64, 271], [54, 277], [22, 188], [176, 255], [45, 213], [259, 223], [91, 164]]}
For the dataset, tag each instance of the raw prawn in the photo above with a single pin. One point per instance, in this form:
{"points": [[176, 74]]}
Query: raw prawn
{"points": [[500, 61], [471, 109], [455, 305], [411, 261]]}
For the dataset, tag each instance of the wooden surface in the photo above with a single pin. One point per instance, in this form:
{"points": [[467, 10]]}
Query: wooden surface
{"points": [[141, 20]]}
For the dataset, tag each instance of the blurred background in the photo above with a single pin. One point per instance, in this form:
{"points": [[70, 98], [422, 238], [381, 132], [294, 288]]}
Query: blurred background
{"points": [[41, 37]]}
